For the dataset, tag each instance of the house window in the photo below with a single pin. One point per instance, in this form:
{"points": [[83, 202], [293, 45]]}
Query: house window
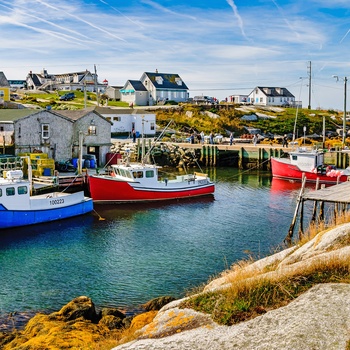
{"points": [[45, 131], [152, 126], [261, 100], [92, 130], [178, 81], [159, 80]]}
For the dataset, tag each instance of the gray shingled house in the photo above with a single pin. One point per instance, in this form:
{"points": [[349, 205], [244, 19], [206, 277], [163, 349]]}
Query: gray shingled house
{"points": [[57, 132]]}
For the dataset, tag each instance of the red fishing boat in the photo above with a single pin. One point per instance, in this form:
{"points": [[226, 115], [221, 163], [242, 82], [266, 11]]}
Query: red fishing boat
{"points": [[308, 163], [138, 182]]}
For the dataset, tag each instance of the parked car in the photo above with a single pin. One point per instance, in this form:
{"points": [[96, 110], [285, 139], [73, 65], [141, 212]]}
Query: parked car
{"points": [[67, 97]]}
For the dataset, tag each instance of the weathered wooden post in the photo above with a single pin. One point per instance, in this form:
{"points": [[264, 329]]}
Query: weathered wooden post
{"points": [[289, 236], [240, 159], [313, 218]]}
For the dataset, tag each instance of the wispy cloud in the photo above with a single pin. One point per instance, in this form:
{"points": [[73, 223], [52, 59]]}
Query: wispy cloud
{"points": [[80, 19], [238, 17], [285, 19], [165, 9]]}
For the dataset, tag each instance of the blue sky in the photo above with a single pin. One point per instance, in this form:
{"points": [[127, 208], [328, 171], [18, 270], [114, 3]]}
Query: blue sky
{"points": [[219, 48]]}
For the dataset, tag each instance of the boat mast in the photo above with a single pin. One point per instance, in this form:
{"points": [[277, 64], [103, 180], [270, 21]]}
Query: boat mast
{"points": [[297, 111], [142, 140]]}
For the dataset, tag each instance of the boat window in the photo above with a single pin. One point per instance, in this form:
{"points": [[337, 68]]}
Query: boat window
{"points": [[22, 190], [149, 173], [294, 157], [128, 174], [10, 191], [138, 174], [0, 192]]}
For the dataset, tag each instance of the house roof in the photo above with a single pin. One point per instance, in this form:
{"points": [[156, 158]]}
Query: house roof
{"points": [[11, 115], [275, 91], [35, 79], [136, 84], [77, 114], [3, 80], [169, 80]]}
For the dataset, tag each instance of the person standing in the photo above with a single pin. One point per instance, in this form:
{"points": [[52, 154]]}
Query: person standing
{"points": [[133, 132], [255, 139], [284, 141], [211, 138], [231, 138], [202, 136]]}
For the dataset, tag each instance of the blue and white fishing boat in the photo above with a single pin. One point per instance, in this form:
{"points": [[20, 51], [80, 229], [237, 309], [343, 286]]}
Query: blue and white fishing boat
{"points": [[18, 207]]}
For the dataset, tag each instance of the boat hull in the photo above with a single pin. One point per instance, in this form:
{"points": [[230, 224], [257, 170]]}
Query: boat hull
{"points": [[16, 218], [282, 169], [108, 189]]}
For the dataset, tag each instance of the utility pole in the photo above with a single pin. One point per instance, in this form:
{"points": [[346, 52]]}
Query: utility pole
{"points": [[344, 116], [96, 88], [344, 119], [309, 74]]}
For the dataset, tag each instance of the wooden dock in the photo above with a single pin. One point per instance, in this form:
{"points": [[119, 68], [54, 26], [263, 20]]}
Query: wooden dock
{"points": [[337, 196]]}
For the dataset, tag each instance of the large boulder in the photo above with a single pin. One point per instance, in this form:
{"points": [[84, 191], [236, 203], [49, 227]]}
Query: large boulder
{"points": [[318, 319], [79, 307]]}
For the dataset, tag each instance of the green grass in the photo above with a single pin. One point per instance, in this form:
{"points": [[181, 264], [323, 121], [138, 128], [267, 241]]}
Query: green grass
{"points": [[45, 99]]}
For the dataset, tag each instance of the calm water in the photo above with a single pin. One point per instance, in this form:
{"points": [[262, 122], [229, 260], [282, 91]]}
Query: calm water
{"points": [[140, 252]]}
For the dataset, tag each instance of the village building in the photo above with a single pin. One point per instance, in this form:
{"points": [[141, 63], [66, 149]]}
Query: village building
{"points": [[124, 120], [155, 88], [239, 99], [271, 96], [113, 92], [4, 89], [57, 133], [84, 81]]}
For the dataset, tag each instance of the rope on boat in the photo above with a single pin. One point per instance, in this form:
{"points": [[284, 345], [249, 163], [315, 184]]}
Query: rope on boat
{"points": [[99, 216]]}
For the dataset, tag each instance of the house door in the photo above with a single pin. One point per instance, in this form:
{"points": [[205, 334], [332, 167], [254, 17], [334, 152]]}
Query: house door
{"points": [[94, 152]]}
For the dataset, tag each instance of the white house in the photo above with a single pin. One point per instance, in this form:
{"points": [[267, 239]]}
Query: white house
{"points": [[134, 92], [123, 120], [238, 98], [155, 88], [271, 96]]}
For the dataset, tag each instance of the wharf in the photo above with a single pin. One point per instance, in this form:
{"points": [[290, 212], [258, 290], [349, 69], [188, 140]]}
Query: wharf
{"points": [[333, 194], [337, 196]]}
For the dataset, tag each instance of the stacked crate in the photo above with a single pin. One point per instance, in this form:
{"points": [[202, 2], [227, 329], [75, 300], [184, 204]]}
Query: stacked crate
{"points": [[8, 162], [41, 164]]}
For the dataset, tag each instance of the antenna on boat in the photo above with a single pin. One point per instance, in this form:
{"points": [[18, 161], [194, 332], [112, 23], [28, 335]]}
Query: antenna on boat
{"points": [[30, 175], [155, 141], [296, 113]]}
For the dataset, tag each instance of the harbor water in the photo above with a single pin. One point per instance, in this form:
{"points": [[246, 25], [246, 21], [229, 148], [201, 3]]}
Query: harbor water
{"points": [[124, 255]]}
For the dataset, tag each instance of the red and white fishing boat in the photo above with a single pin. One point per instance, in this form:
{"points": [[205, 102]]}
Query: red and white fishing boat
{"points": [[308, 163], [138, 182]]}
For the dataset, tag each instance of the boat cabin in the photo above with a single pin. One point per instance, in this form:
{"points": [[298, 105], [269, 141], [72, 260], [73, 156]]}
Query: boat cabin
{"points": [[307, 160], [135, 172], [13, 189]]}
